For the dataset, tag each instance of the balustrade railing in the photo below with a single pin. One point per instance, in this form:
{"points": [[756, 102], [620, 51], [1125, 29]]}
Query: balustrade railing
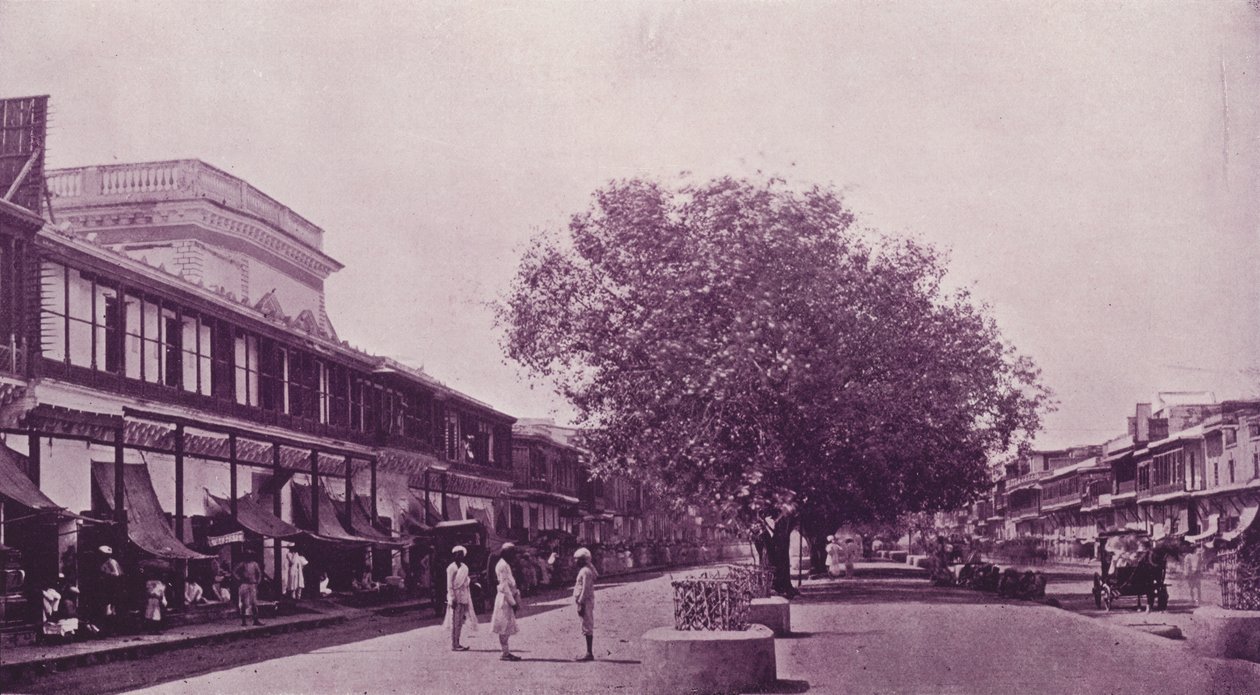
{"points": [[173, 179]]}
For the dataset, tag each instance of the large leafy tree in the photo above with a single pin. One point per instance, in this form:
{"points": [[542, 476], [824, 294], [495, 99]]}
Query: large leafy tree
{"points": [[746, 344]]}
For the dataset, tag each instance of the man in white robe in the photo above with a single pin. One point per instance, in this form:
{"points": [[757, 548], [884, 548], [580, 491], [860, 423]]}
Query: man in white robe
{"points": [[507, 601], [458, 596], [584, 597]]}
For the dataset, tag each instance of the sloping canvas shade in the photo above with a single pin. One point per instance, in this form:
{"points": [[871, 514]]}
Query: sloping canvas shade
{"points": [[146, 522]]}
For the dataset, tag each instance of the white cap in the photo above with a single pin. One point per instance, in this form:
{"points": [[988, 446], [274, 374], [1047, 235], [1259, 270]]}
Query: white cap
{"points": [[582, 552], [831, 538], [105, 549], [459, 549]]}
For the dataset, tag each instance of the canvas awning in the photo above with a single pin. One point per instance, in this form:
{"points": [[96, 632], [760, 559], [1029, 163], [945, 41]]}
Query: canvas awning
{"points": [[420, 514], [1213, 526], [146, 522], [15, 486], [330, 529], [255, 517], [1244, 522], [362, 524]]}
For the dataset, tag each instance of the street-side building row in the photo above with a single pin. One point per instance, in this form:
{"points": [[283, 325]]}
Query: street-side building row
{"points": [[172, 387], [1186, 465]]}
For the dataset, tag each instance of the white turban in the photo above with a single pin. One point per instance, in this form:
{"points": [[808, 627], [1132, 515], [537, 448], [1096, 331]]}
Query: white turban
{"points": [[459, 549], [508, 546], [831, 538], [106, 550], [582, 552]]}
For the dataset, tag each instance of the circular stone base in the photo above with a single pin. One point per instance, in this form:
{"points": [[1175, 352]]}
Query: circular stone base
{"points": [[1225, 633], [720, 661]]}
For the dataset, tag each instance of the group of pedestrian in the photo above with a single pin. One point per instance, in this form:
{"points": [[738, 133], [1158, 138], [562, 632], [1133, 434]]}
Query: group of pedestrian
{"points": [[507, 600], [841, 557]]}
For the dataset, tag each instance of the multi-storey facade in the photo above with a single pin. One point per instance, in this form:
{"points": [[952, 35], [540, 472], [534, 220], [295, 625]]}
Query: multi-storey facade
{"points": [[171, 386], [1188, 466]]}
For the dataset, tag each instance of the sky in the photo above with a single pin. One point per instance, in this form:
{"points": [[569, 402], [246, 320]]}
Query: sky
{"points": [[1093, 169]]}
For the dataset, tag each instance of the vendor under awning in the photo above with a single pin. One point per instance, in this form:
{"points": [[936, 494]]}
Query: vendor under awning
{"points": [[256, 518], [146, 522]]}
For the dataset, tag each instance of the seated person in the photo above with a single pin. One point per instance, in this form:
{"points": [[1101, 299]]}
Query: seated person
{"points": [[219, 592], [193, 593], [324, 589], [365, 582]]}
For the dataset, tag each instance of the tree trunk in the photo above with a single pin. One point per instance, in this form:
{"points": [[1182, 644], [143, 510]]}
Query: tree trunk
{"points": [[817, 554], [780, 557]]}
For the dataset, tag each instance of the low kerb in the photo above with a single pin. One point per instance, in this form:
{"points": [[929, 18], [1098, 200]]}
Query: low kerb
{"points": [[707, 661], [1224, 633], [774, 612]]}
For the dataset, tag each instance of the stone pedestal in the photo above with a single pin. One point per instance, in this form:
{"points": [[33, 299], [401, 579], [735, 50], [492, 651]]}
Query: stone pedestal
{"points": [[1225, 633], [698, 661], [774, 612]]}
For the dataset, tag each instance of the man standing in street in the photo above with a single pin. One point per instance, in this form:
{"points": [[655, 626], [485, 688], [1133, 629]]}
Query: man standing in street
{"points": [[249, 575], [584, 597], [506, 602], [458, 597]]}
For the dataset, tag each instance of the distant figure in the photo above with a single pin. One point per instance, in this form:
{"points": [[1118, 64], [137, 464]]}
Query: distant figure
{"points": [[1192, 569], [249, 574], [324, 589], [296, 574], [584, 597], [111, 585], [506, 602], [459, 606], [218, 592], [155, 601], [834, 560], [851, 552]]}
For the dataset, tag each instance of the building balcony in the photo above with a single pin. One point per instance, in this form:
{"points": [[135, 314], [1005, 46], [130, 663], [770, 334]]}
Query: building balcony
{"points": [[1026, 480], [182, 179]]}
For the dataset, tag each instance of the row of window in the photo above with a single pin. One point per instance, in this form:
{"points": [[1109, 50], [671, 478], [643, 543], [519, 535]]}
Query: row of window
{"points": [[90, 322]]}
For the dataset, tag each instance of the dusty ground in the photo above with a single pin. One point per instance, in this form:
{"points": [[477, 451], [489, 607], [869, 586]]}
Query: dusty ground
{"points": [[860, 636]]}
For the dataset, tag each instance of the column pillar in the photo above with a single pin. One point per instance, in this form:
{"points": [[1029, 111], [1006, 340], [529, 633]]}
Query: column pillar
{"points": [[315, 489], [120, 500], [349, 494], [445, 514], [277, 555], [372, 465], [34, 460], [232, 471], [179, 482]]}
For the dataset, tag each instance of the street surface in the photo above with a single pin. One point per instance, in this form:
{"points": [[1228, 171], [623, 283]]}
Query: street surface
{"points": [[881, 635]]}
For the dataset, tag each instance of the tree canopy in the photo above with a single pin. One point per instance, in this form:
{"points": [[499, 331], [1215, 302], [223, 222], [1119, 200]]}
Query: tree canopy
{"points": [[746, 344]]}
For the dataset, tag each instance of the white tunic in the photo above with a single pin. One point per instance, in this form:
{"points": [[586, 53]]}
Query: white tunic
{"points": [[503, 621]]}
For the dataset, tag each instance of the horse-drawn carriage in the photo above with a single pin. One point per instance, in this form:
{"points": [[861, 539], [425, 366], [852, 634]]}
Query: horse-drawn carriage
{"points": [[1134, 564]]}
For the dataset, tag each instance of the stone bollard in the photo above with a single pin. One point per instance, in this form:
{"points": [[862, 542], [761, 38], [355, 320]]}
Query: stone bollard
{"points": [[774, 612], [707, 661], [1223, 633]]}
